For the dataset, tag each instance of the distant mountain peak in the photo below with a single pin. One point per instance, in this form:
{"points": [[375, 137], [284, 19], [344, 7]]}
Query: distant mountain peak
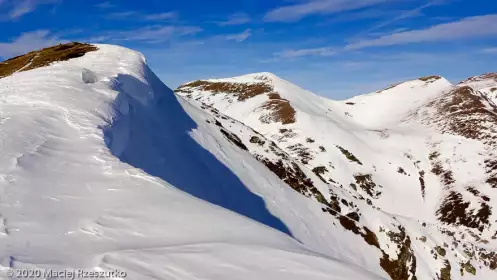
{"points": [[482, 77], [273, 108], [422, 81]]}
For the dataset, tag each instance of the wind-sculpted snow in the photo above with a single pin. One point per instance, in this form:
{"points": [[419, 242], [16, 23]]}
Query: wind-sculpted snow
{"points": [[141, 136], [97, 176]]}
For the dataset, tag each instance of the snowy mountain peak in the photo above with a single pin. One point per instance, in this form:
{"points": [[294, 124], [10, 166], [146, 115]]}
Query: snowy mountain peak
{"points": [[420, 82], [103, 167], [483, 77], [485, 83], [407, 151]]}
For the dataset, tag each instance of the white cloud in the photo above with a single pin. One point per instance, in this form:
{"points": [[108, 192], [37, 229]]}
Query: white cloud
{"points": [[23, 7], [154, 34], [326, 51], [240, 37], [136, 15], [416, 12], [236, 19], [27, 42], [490, 50], [105, 5], [121, 15], [466, 28], [311, 7], [161, 16]]}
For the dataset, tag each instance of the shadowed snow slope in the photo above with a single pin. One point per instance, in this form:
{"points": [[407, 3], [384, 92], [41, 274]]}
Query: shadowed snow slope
{"points": [[117, 173]]}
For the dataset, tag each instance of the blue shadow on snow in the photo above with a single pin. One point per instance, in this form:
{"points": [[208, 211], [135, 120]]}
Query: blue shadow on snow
{"points": [[154, 137]]}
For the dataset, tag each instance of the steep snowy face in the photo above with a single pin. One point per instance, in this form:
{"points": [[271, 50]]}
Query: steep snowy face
{"points": [[389, 106], [408, 169], [103, 168]]}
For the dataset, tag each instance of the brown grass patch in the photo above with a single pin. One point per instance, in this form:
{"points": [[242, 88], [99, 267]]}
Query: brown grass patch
{"points": [[281, 111], [390, 87], [242, 91], [44, 57], [430, 78], [463, 103], [468, 113], [486, 76]]}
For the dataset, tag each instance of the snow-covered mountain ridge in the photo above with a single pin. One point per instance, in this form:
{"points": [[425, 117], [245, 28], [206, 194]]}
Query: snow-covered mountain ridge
{"points": [[421, 151], [103, 167]]}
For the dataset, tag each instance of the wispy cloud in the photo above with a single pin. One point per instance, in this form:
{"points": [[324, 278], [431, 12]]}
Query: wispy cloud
{"points": [[235, 19], [161, 16], [240, 37], [27, 42], [105, 5], [466, 28], [416, 12], [490, 50], [312, 7], [326, 51], [153, 34], [20, 8], [136, 15], [121, 15]]}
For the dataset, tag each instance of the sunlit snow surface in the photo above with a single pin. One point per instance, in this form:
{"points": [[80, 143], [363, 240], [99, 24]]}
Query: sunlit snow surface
{"points": [[68, 201]]}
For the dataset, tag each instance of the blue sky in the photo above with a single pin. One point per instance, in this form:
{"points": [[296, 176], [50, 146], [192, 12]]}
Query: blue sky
{"points": [[336, 48]]}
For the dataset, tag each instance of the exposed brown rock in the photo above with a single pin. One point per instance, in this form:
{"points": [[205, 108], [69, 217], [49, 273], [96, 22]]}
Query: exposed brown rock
{"points": [[349, 155], [234, 139], [301, 151], [257, 140], [455, 211], [366, 183], [404, 267], [320, 171], [422, 182], [445, 271]]}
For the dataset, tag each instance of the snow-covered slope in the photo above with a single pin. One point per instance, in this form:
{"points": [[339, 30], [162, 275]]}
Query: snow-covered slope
{"points": [[102, 167], [486, 84], [410, 170]]}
